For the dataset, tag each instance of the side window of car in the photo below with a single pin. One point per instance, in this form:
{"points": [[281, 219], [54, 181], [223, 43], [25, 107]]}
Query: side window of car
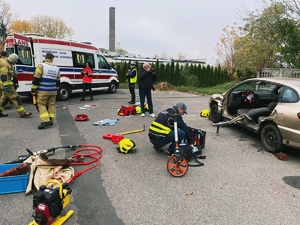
{"points": [[102, 63], [81, 58], [289, 95]]}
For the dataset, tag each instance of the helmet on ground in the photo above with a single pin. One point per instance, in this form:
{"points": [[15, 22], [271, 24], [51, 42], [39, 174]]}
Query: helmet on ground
{"points": [[205, 113], [138, 109], [13, 58], [126, 145], [146, 107]]}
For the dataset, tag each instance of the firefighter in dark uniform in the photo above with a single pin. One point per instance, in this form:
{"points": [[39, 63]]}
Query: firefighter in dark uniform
{"points": [[161, 130], [132, 79], [44, 86], [8, 88]]}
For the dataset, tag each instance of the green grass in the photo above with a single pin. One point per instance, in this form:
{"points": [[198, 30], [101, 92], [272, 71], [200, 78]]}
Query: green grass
{"points": [[218, 89]]}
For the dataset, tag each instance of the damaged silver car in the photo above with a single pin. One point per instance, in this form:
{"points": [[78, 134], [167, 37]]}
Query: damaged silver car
{"points": [[267, 106]]}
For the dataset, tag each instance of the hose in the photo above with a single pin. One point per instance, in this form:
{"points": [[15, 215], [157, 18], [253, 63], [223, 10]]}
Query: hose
{"points": [[94, 152]]}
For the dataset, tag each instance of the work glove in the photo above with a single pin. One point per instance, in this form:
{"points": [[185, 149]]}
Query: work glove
{"points": [[33, 91]]}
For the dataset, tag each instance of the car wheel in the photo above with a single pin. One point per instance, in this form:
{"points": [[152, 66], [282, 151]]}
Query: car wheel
{"points": [[112, 87], [63, 92], [271, 138], [214, 114]]}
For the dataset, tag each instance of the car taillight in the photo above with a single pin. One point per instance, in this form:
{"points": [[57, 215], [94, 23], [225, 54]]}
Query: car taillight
{"points": [[298, 114]]}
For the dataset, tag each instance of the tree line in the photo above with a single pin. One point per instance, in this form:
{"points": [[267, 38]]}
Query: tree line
{"points": [[269, 37], [191, 75]]}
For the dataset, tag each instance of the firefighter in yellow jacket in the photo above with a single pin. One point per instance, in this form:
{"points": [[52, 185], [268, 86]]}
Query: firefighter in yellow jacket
{"points": [[8, 88], [44, 86]]}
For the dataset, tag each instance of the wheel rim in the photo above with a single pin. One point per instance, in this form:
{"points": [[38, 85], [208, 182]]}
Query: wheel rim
{"points": [[177, 171], [271, 138]]}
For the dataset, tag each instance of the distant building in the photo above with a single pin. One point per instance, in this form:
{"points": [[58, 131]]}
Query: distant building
{"points": [[121, 57]]}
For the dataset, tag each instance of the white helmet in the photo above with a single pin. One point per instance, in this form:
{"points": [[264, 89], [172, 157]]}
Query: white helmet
{"points": [[13, 58]]}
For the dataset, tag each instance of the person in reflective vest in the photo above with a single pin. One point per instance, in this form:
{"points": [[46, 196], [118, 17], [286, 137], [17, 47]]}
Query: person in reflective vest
{"points": [[161, 130], [45, 83], [87, 79], [132, 79]]}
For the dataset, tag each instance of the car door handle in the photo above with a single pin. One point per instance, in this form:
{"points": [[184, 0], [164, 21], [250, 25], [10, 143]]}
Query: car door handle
{"points": [[20, 71]]}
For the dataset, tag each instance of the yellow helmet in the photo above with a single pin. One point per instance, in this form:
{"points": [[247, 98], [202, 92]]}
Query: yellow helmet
{"points": [[205, 113], [126, 145], [138, 109], [146, 107]]}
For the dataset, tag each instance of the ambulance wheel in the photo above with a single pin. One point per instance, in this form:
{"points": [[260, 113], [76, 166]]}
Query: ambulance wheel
{"points": [[112, 87], [177, 171], [64, 92]]}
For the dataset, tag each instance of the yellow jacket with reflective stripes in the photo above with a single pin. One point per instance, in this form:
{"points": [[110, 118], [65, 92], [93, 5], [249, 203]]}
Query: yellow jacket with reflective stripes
{"points": [[6, 73]]}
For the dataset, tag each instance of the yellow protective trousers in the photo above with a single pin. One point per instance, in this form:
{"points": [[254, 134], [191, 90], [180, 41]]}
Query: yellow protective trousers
{"points": [[13, 96], [46, 106]]}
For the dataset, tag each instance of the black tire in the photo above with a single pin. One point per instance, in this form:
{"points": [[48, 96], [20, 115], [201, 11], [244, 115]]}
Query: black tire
{"points": [[271, 138], [64, 92], [214, 114], [112, 87]]}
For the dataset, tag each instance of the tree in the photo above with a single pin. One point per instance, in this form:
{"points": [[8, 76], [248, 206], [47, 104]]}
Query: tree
{"points": [[52, 27], [180, 56], [20, 26], [119, 49], [226, 49], [6, 18]]}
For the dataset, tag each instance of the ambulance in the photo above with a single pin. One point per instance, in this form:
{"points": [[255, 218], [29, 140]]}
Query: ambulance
{"points": [[70, 56]]}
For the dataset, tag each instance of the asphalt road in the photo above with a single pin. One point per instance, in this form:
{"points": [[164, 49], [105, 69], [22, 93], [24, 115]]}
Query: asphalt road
{"points": [[240, 183]]}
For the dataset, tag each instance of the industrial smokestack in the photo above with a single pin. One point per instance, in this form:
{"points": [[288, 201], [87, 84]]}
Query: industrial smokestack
{"points": [[112, 36]]}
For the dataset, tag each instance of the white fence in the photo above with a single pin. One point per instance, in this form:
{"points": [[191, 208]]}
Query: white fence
{"points": [[279, 72]]}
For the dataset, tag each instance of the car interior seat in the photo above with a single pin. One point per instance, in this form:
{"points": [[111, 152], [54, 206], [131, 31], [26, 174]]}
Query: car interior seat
{"points": [[259, 113]]}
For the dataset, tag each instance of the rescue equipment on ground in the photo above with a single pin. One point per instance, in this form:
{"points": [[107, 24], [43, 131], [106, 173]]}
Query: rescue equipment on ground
{"points": [[106, 122], [127, 110], [126, 145], [116, 138], [81, 117], [138, 109], [53, 196], [205, 113], [146, 107]]}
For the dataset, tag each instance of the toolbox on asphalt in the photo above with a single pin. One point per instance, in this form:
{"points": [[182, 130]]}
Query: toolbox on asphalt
{"points": [[198, 137], [12, 184]]}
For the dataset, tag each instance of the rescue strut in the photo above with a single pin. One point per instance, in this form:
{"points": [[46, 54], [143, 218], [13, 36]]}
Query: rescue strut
{"points": [[132, 131]]}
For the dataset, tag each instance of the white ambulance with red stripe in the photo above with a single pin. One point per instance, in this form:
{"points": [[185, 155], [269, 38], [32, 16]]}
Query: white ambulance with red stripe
{"points": [[70, 57]]}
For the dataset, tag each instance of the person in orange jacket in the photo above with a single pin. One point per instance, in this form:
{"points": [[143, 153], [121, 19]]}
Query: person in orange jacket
{"points": [[87, 79]]}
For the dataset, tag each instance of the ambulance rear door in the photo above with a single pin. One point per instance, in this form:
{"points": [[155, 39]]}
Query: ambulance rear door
{"points": [[22, 46]]}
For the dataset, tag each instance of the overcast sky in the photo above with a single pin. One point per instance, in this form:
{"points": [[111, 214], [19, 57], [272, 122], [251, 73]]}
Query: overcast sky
{"points": [[145, 28]]}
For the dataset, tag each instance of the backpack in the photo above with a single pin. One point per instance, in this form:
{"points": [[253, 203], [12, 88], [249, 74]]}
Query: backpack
{"points": [[189, 155], [127, 110]]}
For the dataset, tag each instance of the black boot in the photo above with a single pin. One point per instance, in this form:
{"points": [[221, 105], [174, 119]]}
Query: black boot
{"points": [[44, 125], [25, 114], [2, 114]]}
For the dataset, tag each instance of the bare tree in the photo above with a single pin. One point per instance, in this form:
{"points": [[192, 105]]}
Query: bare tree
{"points": [[6, 18]]}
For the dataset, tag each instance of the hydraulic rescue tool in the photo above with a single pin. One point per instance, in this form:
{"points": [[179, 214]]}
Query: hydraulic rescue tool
{"points": [[22, 158]]}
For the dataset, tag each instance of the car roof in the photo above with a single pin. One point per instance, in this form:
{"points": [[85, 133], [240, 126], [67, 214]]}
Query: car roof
{"points": [[292, 82]]}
